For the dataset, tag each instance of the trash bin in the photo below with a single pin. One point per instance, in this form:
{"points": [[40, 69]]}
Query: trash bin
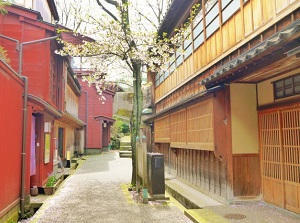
{"points": [[156, 174]]}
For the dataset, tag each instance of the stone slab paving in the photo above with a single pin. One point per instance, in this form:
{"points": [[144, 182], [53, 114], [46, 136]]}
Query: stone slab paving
{"points": [[96, 193]]}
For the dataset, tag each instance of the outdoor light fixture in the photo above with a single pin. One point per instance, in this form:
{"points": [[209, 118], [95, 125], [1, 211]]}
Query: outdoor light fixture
{"points": [[104, 124]]}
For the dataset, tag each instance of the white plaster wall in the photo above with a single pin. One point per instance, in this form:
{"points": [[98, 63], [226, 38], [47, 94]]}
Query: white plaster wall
{"points": [[244, 119]]}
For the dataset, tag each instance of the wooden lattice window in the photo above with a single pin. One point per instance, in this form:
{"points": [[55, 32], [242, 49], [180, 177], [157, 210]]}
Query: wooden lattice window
{"points": [[287, 87], [271, 152], [200, 125], [291, 144], [53, 79]]}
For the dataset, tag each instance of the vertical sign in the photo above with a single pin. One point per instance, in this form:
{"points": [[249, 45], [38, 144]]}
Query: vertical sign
{"points": [[47, 148]]}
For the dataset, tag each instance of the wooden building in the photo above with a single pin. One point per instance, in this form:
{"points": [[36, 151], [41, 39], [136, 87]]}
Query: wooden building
{"points": [[68, 130], [227, 110], [97, 112], [30, 44]]}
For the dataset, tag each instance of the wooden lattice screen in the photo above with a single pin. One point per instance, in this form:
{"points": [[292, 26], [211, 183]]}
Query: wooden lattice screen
{"points": [[178, 126], [280, 157], [162, 129], [200, 125], [53, 79]]}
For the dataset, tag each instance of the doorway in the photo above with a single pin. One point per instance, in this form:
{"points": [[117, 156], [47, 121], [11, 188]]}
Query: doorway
{"points": [[280, 157], [60, 142]]}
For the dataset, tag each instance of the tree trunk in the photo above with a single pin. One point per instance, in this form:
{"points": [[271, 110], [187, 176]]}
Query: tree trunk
{"points": [[136, 114]]}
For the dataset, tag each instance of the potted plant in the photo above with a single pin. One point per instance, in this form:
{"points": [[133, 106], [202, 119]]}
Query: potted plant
{"points": [[51, 185], [34, 191]]}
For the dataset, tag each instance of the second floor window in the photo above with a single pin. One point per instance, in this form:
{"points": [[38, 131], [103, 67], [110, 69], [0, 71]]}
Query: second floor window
{"points": [[287, 87], [212, 20], [229, 7]]}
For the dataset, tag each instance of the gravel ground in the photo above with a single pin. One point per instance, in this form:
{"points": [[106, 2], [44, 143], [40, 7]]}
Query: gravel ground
{"points": [[96, 193]]}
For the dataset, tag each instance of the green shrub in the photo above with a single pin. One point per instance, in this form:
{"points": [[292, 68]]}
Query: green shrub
{"points": [[115, 143], [125, 127], [51, 181]]}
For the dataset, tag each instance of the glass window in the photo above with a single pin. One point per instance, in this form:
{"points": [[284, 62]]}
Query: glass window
{"points": [[199, 40], [279, 89], [157, 83], [230, 10], [172, 67], [198, 18], [167, 74], [225, 3], [198, 29], [287, 87], [187, 42], [188, 51], [212, 13], [172, 58], [211, 28], [297, 84], [179, 60], [156, 76], [162, 78]]}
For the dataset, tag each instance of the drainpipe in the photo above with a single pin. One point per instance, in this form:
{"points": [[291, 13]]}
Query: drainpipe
{"points": [[24, 127], [86, 120], [24, 134]]}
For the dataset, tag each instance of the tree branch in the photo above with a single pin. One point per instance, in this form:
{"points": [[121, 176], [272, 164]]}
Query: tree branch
{"points": [[149, 20], [107, 11]]}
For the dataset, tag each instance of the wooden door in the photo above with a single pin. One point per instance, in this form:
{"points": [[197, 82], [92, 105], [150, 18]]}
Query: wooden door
{"points": [[280, 157], [291, 158]]}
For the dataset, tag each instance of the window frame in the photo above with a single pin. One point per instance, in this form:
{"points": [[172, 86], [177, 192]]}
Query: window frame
{"points": [[227, 6], [287, 91], [213, 20]]}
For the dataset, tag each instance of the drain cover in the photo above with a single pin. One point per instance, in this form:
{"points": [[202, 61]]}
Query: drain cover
{"points": [[234, 216]]}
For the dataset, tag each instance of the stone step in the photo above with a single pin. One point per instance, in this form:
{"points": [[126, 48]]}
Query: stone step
{"points": [[125, 148], [125, 153], [125, 139], [125, 144]]}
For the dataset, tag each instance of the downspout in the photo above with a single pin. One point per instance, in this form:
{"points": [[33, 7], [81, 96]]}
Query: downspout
{"points": [[24, 134], [86, 120], [24, 127]]}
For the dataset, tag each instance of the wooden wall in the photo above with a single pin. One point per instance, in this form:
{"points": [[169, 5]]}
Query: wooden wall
{"points": [[255, 21], [246, 175], [200, 169], [72, 101]]}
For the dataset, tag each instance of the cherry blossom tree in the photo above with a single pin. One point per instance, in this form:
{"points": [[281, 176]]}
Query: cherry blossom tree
{"points": [[126, 41]]}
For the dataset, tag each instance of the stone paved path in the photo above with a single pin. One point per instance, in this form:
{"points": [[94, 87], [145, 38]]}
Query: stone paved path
{"points": [[96, 193]]}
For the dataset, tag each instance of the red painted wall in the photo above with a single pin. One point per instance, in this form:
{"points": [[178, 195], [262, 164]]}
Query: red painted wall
{"points": [[11, 106], [96, 107], [36, 57], [24, 26]]}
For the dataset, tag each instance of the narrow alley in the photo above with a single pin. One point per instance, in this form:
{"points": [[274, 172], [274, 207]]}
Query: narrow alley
{"points": [[97, 192]]}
